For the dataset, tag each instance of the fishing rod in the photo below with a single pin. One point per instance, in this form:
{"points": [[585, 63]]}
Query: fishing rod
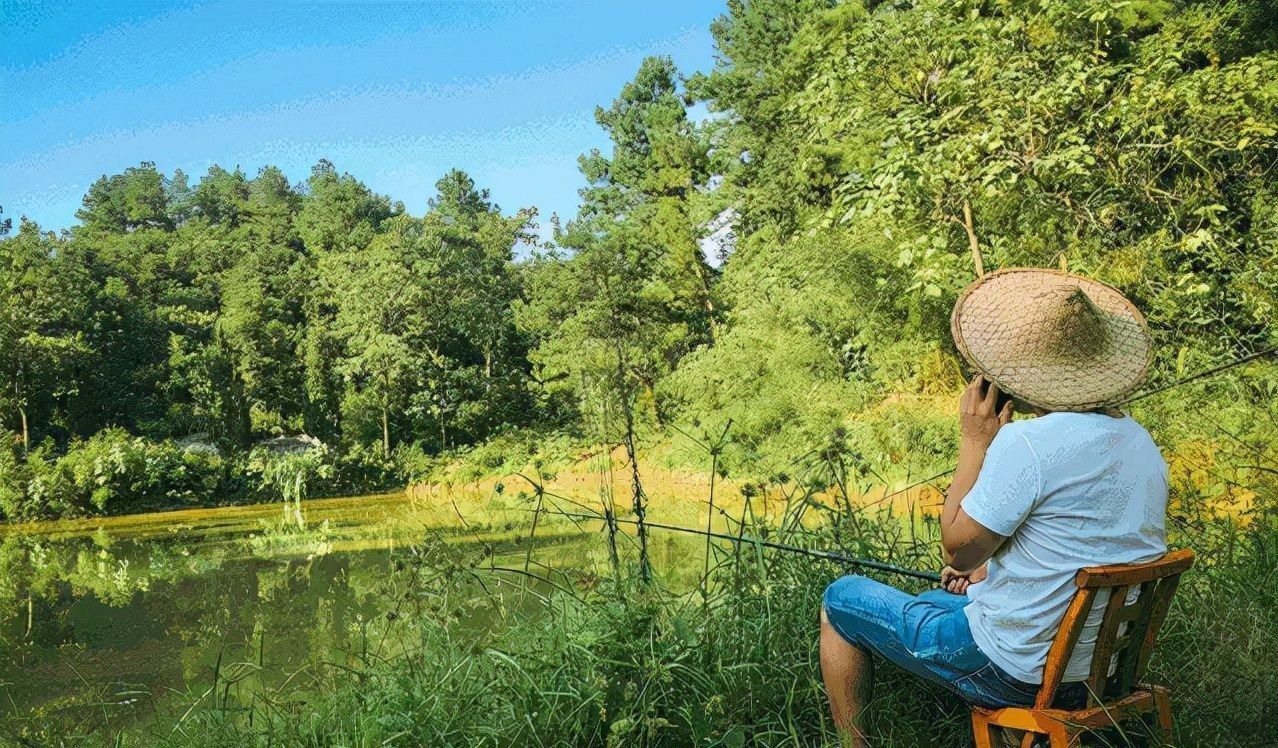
{"points": [[863, 563], [1204, 374]]}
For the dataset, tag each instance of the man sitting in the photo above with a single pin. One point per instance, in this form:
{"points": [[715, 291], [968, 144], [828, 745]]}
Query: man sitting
{"points": [[1032, 502]]}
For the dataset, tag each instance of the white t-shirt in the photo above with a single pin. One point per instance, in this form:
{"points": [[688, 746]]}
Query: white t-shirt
{"points": [[1068, 490]]}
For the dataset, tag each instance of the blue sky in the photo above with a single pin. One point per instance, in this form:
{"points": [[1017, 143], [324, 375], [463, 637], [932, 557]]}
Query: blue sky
{"points": [[395, 94]]}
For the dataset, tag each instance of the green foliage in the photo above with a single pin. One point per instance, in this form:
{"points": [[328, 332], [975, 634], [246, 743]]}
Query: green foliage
{"points": [[340, 212], [635, 296], [110, 473], [245, 308], [13, 476], [291, 474], [134, 200], [424, 322], [115, 473], [42, 302], [528, 452]]}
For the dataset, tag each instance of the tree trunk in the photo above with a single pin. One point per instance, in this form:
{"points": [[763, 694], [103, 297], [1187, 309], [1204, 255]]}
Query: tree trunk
{"points": [[975, 246], [386, 430], [707, 301], [639, 500], [26, 433]]}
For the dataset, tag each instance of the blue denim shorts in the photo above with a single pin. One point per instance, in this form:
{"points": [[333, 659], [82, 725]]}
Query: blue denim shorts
{"points": [[928, 636]]}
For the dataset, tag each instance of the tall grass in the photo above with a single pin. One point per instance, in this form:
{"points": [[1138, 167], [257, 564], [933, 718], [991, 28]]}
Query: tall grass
{"points": [[594, 660]]}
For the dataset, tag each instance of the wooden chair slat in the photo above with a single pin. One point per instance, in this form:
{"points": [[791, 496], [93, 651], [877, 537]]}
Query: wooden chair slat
{"points": [[1137, 623], [1159, 605], [1058, 656], [1174, 562], [1036, 720], [1136, 610], [1103, 652]]}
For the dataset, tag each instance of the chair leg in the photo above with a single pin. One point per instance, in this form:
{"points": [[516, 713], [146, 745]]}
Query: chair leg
{"points": [[1062, 736], [983, 732], [1162, 701]]}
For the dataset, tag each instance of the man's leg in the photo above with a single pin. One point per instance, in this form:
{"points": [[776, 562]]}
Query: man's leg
{"points": [[848, 673], [862, 619]]}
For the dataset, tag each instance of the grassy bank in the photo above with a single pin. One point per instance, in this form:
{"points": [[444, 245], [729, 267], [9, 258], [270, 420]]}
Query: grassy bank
{"points": [[601, 660]]}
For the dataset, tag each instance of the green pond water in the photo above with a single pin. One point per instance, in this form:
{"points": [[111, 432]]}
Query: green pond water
{"points": [[111, 622]]}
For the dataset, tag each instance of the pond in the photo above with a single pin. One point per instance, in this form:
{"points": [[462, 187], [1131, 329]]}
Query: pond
{"points": [[103, 621], [111, 623]]}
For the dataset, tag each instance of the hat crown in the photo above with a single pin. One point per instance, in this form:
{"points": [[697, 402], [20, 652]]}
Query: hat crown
{"points": [[1070, 325]]}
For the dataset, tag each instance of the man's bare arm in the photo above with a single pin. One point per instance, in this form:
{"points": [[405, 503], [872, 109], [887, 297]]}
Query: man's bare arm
{"points": [[967, 543]]}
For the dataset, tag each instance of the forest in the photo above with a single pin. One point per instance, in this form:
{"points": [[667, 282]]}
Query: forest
{"points": [[767, 254]]}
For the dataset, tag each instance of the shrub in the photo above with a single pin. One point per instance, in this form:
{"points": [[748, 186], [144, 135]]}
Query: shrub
{"points": [[363, 468], [322, 471], [290, 475], [110, 473]]}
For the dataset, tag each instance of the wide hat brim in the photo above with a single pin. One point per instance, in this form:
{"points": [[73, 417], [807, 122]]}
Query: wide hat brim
{"points": [[1052, 339]]}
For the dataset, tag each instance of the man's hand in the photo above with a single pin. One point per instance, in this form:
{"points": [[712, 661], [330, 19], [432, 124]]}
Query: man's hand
{"points": [[978, 421], [957, 583], [965, 542]]}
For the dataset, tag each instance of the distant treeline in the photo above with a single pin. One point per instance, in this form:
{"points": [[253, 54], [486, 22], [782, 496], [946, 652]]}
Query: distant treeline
{"points": [[241, 307], [787, 262]]}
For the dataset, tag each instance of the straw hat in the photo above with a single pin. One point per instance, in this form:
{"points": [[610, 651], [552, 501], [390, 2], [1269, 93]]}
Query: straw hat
{"points": [[1052, 339]]}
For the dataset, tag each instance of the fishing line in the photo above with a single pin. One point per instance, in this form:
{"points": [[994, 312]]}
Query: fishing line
{"points": [[1203, 374]]}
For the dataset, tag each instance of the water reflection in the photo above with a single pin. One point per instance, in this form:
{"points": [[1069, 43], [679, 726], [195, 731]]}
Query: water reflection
{"points": [[101, 627]]}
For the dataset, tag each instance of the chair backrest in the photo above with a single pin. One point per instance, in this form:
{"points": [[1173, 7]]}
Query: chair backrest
{"points": [[1127, 630]]}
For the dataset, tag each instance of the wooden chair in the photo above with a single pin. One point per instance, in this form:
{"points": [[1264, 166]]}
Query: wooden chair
{"points": [[1111, 698]]}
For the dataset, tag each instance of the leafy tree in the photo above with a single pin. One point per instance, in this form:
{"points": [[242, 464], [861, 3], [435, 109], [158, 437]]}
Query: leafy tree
{"points": [[753, 142], [126, 202], [42, 307], [261, 324], [423, 316], [339, 211], [486, 351], [120, 379], [221, 196], [263, 299], [457, 198], [388, 315], [1111, 138], [657, 163], [636, 294]]}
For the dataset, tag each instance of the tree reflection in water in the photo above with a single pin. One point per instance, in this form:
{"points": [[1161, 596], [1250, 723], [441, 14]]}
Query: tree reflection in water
{"points": [[103, 628]]}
